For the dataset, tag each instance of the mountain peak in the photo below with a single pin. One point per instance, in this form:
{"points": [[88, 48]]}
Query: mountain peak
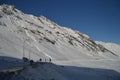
{"points": [[6, 5], [8, 9]]}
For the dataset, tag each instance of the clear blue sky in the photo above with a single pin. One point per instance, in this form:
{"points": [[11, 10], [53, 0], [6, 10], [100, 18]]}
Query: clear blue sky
{"points": [[100, 19]]}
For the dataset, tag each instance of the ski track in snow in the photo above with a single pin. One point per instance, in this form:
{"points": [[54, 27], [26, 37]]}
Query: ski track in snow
{"points": [[44, 52], [37, 46]]}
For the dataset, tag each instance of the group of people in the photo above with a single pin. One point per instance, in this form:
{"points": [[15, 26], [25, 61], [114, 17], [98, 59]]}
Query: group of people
{"points": [[40, 60], [45, 60]]}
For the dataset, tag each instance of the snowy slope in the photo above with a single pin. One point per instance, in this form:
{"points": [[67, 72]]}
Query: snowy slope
{"points": [[42, 38], [111, 46]]}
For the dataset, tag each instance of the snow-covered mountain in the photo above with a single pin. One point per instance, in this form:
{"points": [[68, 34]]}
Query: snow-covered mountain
{"points": [[38, 37], [115, 48], [75, 55]]}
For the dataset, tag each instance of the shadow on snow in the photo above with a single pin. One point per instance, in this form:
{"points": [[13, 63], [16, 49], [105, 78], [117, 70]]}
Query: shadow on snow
{"points": [[69, 72]]}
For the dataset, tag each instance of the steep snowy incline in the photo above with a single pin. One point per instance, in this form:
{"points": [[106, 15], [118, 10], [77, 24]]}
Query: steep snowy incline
{"points": [[41, 38]]}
